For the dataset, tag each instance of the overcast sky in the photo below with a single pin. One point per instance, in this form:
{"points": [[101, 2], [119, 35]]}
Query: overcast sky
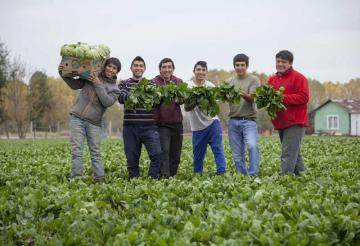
{"points": [[324, 35]]}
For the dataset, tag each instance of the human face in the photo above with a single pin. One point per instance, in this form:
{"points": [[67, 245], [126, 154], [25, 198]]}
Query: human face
{"points": [[200, 73], [166, 70], [240, 68], [138, 69], [110, 71], [282, 65]]}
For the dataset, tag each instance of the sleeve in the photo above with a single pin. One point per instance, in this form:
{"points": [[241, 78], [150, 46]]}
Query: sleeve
{"points": [[106, 98], [123, 92], [74, 84], [301, 96], [255, 84]]}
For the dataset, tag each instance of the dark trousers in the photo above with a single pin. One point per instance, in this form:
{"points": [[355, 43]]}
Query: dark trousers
{"points": [[134, 136], [291, 159], [171, 139]]}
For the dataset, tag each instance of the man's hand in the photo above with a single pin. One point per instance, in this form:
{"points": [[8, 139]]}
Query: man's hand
{"points": [[189, 106], [94, 79], [253, 95], [248, 97]]}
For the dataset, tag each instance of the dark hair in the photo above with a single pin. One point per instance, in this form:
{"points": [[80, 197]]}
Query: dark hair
{"points": [[201, 63], [286, 55], [138, 58], [166, 60], [241, 58], [114, 61]]}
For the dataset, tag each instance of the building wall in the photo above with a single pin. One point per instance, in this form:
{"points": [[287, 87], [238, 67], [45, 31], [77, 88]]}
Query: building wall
{"points": [[355, 125], [331, 108]]}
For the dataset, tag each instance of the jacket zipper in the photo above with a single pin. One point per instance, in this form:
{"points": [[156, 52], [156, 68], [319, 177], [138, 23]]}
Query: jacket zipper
{"points": [[88, 104]]}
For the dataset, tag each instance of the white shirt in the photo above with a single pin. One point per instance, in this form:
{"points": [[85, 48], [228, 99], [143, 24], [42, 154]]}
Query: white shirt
{"points": [[199, 120]]}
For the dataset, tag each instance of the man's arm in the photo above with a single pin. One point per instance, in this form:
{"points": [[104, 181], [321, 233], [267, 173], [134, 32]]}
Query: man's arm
{"points": [[189, 107], [301, 95], [74, 84], [249, 95], [123, 92], [106, 98]]}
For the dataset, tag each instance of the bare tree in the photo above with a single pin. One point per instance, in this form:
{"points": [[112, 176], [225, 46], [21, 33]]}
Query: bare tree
{"points": [[16, 96]]}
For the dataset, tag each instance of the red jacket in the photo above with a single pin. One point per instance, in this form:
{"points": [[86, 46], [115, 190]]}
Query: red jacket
{"points": [[296, 97]]}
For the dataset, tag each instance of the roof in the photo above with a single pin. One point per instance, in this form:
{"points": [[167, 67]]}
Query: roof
{"points": [[351, 106]]}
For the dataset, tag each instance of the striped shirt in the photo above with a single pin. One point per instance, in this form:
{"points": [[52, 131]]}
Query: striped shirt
{"points": [[139, 116]]}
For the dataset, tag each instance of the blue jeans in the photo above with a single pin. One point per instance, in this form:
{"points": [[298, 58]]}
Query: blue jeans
{"points": [[136, 135], [79, 129], [241, 133], [211, 135]]}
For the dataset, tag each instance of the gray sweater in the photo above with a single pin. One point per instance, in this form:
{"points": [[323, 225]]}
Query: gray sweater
{"points": [[93, 100]]}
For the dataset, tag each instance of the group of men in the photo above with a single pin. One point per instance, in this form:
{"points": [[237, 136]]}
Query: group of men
{"points": [[161, 131]]}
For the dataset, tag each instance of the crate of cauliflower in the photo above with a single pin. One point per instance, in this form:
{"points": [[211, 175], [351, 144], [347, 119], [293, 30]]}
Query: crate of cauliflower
{"points": [[82, 59]]}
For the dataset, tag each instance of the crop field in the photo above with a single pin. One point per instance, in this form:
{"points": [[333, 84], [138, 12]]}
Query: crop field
{"points": [[39, 205]]}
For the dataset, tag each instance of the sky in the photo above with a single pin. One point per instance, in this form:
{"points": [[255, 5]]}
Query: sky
{"points": [[323, 35]]}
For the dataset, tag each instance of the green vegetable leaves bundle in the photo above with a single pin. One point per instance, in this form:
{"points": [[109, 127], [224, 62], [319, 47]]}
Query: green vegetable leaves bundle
{"points": [[174, 93], [146, 95], [270, 99], [205, 98], [85, 51], [228, 93], [143, 95]]}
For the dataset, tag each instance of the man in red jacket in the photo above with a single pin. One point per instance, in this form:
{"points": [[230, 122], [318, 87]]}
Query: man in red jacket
{"points": [[292, 121]]}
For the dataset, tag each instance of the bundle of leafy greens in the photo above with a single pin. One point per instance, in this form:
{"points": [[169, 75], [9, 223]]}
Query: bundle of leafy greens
{"points": [[227, 93], [85, 51], [205, 98], [143, 95], [174, 93], [146, 95], [270, 99]]}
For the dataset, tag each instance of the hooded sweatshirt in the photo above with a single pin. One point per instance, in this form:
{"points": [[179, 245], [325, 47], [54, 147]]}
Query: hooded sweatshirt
{"points": [[93, 100]]}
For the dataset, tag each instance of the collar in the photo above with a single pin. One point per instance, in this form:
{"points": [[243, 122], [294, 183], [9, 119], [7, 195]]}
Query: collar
{"points": [[105, 79], [285, 73]]}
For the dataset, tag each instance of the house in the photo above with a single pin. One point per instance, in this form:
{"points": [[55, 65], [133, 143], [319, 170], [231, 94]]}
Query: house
{"points": [[338, 117]]}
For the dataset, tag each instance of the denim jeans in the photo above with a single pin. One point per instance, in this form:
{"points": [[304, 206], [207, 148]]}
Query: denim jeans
{"points": [[79, 129], [242, 133], [291, 159], [136, 135], [211, 135]]}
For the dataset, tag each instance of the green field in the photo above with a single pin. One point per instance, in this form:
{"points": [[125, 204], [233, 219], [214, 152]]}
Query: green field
{"points": [[40, 206]]}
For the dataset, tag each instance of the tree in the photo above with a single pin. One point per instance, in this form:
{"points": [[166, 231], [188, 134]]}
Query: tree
{"points": [[262, 77], [4, 66], [353, 88], [317, 94], [218, 76], [115, 115], [62, 99], [16, 95], [16, 105], [40, 97]]}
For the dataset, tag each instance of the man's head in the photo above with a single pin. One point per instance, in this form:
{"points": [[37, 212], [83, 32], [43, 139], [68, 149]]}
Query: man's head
{"points": [[166, 68], [138, 67], [284, 60], [112, 67], [241, 63], [200, 70]]}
